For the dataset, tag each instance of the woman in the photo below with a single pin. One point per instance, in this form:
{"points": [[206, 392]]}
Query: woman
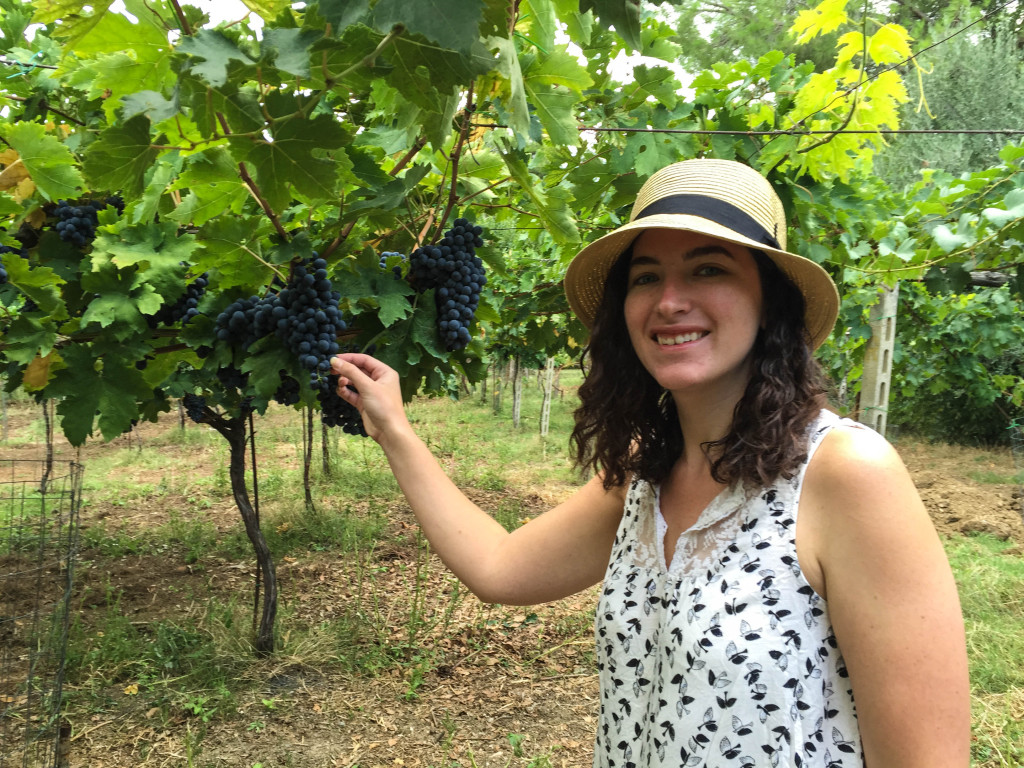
{"points": [[774, 592]]}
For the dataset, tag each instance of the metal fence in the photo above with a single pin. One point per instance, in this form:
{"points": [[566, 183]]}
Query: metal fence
{"points": [[39, 505]]}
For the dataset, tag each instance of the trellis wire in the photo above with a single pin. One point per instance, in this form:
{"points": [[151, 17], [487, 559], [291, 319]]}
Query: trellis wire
{"points": [[39, 505]]}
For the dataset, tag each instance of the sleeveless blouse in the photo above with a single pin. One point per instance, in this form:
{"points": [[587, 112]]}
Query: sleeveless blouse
{"points": [[727, 657]]}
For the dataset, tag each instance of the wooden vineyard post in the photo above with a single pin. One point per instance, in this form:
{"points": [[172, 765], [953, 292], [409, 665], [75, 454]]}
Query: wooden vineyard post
{"points": [[496, 387], [545, 405], [517, 390], [877, 377]]}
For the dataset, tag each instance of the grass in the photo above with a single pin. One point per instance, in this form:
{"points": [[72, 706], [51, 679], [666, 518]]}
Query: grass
{"points": [[991, 586], [398, 612]]}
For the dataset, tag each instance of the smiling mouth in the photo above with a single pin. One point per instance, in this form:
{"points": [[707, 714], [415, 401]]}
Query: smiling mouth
{"points": [[681, 338]]}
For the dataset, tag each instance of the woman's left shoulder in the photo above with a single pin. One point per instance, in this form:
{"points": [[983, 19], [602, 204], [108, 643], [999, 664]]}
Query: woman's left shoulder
{"points": [[850, 453], [856, 477]]}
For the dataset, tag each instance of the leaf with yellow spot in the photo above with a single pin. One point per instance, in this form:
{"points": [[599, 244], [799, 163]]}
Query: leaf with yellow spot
{"points": [[37, 373], [14, 171]]}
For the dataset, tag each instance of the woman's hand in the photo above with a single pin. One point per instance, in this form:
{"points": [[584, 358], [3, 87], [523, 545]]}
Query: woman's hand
{"points": [[374, 389]]}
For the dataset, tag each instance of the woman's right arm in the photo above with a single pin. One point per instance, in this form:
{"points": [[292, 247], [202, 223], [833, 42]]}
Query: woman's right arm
{"points": [[557, 554]]}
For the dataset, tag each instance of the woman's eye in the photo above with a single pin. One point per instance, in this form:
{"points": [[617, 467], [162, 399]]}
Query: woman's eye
{"points": [[643, 279], [709, 270]]}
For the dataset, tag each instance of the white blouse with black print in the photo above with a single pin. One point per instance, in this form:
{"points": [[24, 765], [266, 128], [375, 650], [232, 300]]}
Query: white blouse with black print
{"points": [[726, 658]]}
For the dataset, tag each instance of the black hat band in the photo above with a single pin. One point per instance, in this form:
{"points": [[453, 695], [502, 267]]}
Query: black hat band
{"points": [[718, 211]]}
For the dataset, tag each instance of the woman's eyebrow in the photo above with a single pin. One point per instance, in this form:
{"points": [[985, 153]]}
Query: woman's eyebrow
{"points": [[693, 253]]}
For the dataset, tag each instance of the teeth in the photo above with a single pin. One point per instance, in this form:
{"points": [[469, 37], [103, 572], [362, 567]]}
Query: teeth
{"points": [[680, 339]]}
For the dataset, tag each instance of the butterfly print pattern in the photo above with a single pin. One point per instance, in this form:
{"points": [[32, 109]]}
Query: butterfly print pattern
{"points": [[726, 657]]}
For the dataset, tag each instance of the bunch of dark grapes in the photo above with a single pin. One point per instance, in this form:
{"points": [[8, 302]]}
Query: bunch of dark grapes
{"points": [[187, 305], [288, 391], [305, 316], [335, 412], [232, 378], [236, 324], [77, 221], [195, 407], [456, 273], [395, 270]]}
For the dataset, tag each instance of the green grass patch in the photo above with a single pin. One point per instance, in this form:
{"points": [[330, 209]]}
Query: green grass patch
{"points": [[991, 586]]}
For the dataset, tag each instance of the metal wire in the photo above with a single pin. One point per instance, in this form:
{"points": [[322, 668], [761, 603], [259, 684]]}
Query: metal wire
{"points": [[38, 546]]}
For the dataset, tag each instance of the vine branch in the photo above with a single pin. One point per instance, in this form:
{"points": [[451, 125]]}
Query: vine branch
{"points": [[186, 28], [254, 189], [453, 192]]}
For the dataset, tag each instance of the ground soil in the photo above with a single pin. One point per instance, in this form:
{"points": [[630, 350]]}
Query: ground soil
{"points": [[504, 671]]}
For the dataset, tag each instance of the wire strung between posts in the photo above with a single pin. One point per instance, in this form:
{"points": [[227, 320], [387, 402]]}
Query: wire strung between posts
{"points": [[790, 131]]}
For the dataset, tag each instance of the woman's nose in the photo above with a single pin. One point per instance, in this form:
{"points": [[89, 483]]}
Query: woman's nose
{"points": [[675, 296]]}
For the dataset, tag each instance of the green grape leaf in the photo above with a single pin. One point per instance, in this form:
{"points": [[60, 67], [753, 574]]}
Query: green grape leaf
{"points": [[623, 15], [422, 69], [49, 163], [392, 298], [39, 283], [290, 49], [344, 13], [294, 159], [152, 104], [264, 368], [541, 24], [230, 245], [516, 106], [73, 23], [28, 337], [555, 110], [452, 24], [212, 53], [121, 156], [214, 188], [947, 239]]}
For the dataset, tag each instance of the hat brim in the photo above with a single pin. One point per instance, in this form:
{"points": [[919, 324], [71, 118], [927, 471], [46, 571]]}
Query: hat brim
{"points": [[588, 271]]}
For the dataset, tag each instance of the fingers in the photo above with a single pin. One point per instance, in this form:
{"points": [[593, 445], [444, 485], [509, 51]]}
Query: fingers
{"points": [[354, 368]]}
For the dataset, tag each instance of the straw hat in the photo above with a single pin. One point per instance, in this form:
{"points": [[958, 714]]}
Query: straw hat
{"points": [[720, 198]]}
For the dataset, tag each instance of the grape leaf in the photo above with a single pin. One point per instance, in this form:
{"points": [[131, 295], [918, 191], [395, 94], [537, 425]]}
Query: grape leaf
{"points": [[27, 337], [623, 15], [294, 159], [452, 24], [213, 185], [552, 207], [290, 49], [121, 156], [555, 109], [392, 298], [515, 104], [212, 53], [152, 104], [344, 13], [49, 163], [541, 24], [231, 246], [422, 69], [73, 25]]}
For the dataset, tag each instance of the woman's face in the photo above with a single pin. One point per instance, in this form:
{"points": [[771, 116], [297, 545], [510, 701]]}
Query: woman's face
{"points": [[693, 309]]}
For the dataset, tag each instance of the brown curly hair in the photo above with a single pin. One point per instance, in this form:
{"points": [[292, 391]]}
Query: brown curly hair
{"points": [[627, 423]]}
